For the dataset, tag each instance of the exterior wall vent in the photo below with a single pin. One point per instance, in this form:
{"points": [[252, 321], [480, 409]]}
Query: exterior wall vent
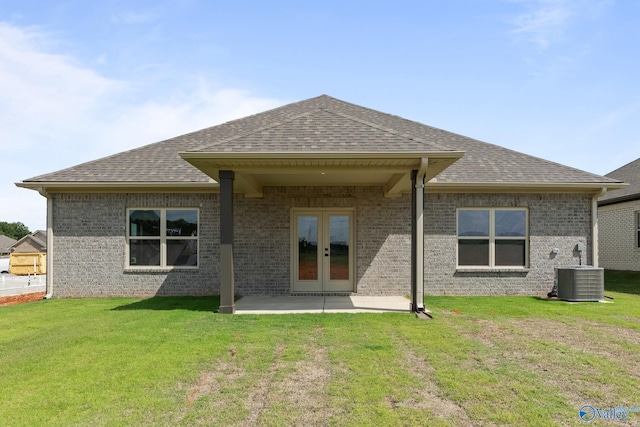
{"points": [[580, 283]]}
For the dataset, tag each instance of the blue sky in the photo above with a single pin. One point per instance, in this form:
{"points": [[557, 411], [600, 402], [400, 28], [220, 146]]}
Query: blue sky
{"points": [[79, 80]]}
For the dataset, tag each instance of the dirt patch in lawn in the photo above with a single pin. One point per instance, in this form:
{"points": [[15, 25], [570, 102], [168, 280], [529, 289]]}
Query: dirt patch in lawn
{"points": [[559, 354], [211, 382], [589, 337]]}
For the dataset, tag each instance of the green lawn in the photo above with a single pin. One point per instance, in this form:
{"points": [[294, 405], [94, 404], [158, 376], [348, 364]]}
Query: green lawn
{"points": [[172, 361]]}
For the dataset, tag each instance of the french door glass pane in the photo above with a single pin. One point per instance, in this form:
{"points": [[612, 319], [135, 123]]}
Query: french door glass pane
{"points": [[339, 247], [510, 252], [307, 247], [473, 252]]}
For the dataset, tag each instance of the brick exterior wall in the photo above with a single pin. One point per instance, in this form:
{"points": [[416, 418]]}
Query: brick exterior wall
{"points": [[89, 247], [618, 249], [262, 239], [555, 221], [90, 243]]}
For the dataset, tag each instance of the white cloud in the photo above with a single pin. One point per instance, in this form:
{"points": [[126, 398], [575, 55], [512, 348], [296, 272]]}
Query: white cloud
{"points": [[56, 112], [544, 21]]}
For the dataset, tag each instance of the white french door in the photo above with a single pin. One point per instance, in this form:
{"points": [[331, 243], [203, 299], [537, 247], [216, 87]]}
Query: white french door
{"points": [[323, 253]]}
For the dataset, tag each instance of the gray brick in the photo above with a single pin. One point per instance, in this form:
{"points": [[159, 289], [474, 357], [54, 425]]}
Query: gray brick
{"points": [[89, 242]]}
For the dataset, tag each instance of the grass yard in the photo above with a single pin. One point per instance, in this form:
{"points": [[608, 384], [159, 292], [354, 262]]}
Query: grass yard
{"points": [[172, 361]]}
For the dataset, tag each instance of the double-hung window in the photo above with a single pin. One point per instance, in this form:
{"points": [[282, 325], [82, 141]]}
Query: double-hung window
{"points": [[493, 237], [164, 238]]}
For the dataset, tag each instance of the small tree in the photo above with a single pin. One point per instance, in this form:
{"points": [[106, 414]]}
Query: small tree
{"points": [[15, 230]]}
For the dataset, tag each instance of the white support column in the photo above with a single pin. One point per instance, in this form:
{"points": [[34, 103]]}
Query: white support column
{"points": [[417, 238], [49, 253], [227, 284], [595, 244]]}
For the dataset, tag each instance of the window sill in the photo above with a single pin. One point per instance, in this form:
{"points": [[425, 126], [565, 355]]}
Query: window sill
{"points": [[157, 269], [492, 269]]}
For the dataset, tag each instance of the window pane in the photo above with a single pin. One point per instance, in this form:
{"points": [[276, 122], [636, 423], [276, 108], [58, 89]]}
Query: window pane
{"points": [[144, 252], [473, 252], [511, 222], [510, 252], [182, 252], [307, 247], [182, 222], [473, 222], [144, 223]]}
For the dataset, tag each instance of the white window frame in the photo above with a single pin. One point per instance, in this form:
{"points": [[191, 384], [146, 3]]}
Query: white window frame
{"points": [[637, 227], [492, 239], [163, 238]]}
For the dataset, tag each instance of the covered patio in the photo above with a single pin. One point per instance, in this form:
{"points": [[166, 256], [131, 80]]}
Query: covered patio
{"points": [[321, 304]]}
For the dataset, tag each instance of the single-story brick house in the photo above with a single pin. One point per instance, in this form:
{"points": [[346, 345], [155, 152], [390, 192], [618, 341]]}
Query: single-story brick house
{"points": [[619, 217], [317, 197], [34, 242]]}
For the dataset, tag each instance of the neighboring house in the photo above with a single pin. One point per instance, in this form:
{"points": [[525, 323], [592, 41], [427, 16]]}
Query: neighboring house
{"points": [[5, 244], [317, 197], [619, 217], [34, 242]]}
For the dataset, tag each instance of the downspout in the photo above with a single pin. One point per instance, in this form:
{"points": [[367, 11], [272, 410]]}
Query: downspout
{"points": [[49, 258], [594, 226], [417, 240]]}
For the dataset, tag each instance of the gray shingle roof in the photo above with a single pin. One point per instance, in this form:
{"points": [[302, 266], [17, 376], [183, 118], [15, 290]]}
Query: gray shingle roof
{"points": [[5, 243], [629, 173], [321, 124]]}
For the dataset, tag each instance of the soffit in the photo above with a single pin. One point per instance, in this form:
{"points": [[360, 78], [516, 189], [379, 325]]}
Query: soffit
{"points": [[256, 170]]}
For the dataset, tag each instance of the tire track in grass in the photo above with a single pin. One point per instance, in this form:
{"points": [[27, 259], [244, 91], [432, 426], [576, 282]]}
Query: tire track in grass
{"points": [[299, 396], [293, 392], [429, 396], [260, 398]]}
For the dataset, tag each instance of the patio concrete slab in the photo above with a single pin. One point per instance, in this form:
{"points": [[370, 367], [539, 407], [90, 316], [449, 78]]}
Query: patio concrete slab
{"points": [[320, 304]]}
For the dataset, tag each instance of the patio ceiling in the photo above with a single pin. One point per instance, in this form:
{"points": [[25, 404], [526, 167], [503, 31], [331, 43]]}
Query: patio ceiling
{"points": [[255, 170]]}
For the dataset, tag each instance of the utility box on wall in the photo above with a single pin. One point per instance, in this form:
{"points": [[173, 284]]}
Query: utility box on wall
{"points": [[580, 283]]}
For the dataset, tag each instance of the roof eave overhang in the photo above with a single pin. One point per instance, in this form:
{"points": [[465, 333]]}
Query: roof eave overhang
{"points": [[522, 187], [118, 187], [621, 199]]}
